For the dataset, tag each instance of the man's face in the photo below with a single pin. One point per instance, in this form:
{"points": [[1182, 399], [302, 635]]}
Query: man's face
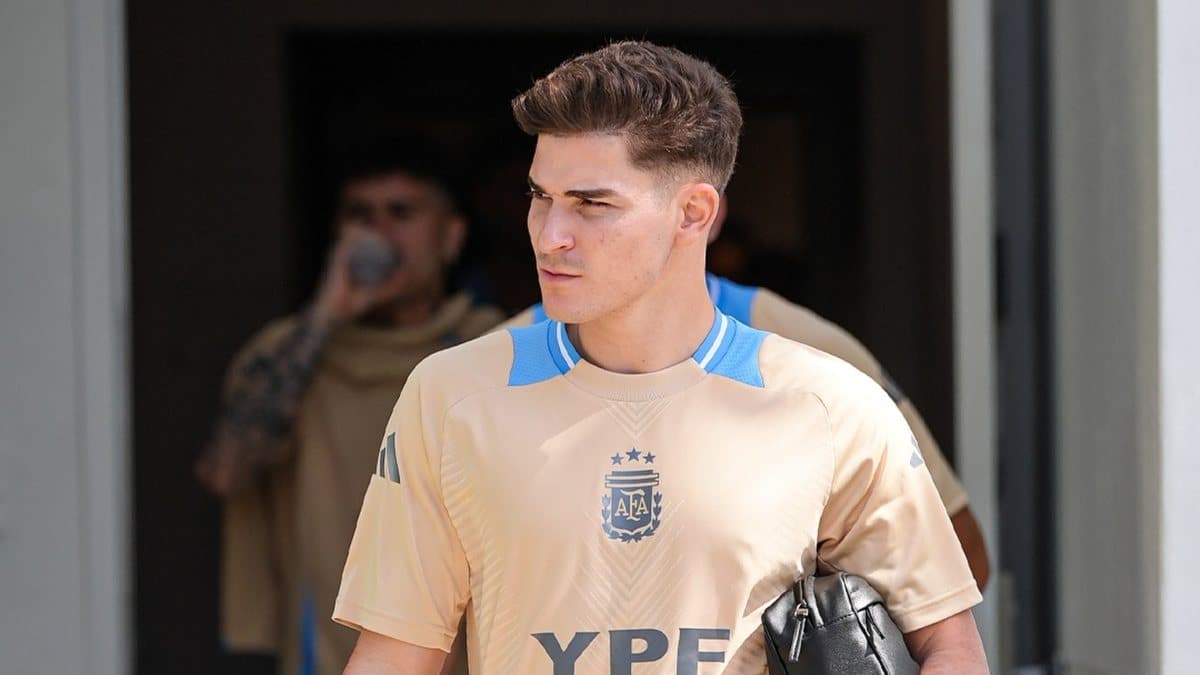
{"points": [[414, 218], [602, 230]]}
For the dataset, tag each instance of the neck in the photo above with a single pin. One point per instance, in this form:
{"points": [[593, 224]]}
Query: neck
{"points": [[659, 330]]}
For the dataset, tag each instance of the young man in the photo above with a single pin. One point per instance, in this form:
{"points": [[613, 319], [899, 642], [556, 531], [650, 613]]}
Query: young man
{"points": [[305, 399], [763, 309], [624, 487]]}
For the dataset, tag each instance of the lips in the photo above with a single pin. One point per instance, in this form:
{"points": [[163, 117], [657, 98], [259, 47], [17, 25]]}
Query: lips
{"points": [[556, 275]]}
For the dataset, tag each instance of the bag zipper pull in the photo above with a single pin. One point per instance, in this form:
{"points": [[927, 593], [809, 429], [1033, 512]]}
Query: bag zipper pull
{"points": [[800, 614]]}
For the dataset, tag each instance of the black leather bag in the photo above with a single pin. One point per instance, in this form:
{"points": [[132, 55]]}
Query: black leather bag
{"points": [[834, 625]]}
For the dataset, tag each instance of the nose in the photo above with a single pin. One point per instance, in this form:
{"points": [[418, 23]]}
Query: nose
{"points": [[365, 219], [551, 229]]}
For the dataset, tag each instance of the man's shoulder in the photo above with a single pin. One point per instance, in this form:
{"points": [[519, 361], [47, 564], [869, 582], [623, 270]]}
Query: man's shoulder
{"points": [[776, 314], [526, 317], [500, 360], [480, 319], [767, 310], [787, 364], [851, 399], [269, 335], [480, 363]]}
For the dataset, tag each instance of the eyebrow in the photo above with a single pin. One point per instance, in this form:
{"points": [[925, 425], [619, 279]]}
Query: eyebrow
{"points": [[592, 193]]}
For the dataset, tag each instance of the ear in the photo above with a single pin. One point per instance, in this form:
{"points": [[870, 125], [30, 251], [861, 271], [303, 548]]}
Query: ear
{"points": [[714, 230], [454, 234], [701, 204]]}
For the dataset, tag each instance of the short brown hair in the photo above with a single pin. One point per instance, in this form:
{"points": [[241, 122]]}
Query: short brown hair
{"points": [[674, 110]]}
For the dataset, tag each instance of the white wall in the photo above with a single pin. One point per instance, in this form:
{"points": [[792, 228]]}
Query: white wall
{"points": [[63, 451], [1179, 334], [1105, 215]]}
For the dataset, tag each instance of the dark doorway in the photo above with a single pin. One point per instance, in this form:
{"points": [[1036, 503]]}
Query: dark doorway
{"points": [[1027, 479], [794, 202]]}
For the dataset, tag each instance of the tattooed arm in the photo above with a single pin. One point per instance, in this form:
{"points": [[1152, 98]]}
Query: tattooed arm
{"points": [[259, 408]]}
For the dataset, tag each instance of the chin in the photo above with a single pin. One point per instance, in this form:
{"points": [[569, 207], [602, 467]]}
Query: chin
{"points": [[566, 312]]}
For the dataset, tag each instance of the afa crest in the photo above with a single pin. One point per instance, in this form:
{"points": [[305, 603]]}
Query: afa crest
{"points": [[632, 509]]}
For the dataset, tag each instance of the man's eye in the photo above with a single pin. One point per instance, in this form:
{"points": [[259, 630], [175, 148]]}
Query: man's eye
{"points": [[537, 194], [592, 203]]}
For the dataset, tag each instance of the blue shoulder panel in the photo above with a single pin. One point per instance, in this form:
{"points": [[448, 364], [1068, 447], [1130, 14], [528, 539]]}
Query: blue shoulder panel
{"points": [[532, 361], [539, 313], [732, 299], [740, 361]]}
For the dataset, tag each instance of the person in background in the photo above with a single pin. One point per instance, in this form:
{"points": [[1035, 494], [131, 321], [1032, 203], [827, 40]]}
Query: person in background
{"points": [[306, 398], [766, 310]]}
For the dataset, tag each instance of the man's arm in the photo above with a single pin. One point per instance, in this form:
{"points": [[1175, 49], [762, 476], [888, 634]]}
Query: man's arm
{"points": [[966, 528], [376, 654], [949, 487], [259, 408], [948, 647], [777, 315], [406, 575]]}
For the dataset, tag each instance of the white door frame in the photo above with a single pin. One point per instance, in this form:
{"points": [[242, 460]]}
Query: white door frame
{"points": [[973, 230], [98, 71], [1179, 333]]}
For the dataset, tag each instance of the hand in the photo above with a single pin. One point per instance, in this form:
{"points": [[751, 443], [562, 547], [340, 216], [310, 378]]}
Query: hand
{"points": [[339, 299], [215, 469]]}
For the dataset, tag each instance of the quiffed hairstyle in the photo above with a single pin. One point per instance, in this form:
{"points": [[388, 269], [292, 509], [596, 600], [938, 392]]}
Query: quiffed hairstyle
{"points": [[677, 113]]}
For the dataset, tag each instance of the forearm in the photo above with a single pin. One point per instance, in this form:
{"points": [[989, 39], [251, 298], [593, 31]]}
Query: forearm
{"points": [[375, 654], [966, 527], [258, 412], [943, 663], [949, 647]]}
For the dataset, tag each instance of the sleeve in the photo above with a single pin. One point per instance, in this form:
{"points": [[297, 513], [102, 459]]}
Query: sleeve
{"points": [[248, 359], [249, 589], [773, 313], [251, 602], [950, 488], [883, 519], [406, 573]]}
